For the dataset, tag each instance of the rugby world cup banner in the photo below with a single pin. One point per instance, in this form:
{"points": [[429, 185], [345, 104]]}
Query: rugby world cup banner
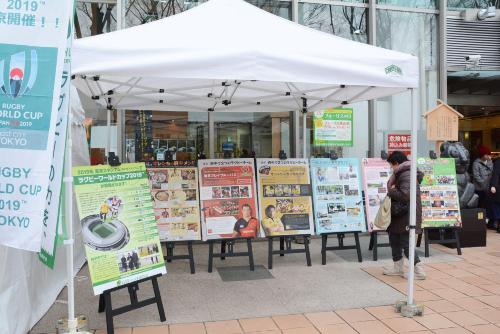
{"points": [[32, 48]]}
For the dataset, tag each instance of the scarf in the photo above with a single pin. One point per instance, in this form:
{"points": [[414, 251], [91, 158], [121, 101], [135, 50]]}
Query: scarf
{"points": [[392, 179]]}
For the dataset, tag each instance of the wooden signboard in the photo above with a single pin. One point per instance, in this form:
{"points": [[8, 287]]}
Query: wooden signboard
{"points": [[442, 123]]}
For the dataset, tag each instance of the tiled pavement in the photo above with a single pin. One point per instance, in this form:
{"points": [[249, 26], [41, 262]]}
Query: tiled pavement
{"points": [[459, 297]]}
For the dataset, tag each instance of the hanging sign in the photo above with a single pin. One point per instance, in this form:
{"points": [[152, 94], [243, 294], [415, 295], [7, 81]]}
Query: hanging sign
{"points": [[376, 173], [439, 193], [228, 198], [338, 204], [285, 196], [32, 47], [174, 188], [333, 127], [118, 224]]}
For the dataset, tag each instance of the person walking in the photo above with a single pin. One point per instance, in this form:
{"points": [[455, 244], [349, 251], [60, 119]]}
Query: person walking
{"points": [[495, 194], [398, 189], [482, 169]]}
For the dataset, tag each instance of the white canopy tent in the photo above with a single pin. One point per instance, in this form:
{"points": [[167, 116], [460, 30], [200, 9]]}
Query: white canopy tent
{"points": [[229, 56]]}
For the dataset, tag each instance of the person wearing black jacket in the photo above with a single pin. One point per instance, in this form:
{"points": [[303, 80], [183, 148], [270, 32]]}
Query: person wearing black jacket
{"points": [[495, 193], [398, 189]]}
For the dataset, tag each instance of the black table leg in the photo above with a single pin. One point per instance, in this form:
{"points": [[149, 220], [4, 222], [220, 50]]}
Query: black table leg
{"points": [[210, 255], [426, 240], [324, 241], [375, 246], [308, 254], [191, 256], [358, 247], [159, 303], [250, 254], [270, 253], [457, 236]]}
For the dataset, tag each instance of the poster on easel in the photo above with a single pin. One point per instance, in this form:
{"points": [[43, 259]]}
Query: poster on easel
{"points": [[228, 198], [119, 230], [439, 193], [285, 197], [376, 173], [338, 203], [174, 189]]}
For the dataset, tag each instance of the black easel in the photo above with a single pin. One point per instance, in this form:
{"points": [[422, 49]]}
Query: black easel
{"points": [[443, 239], [374, 244], [341, 246], [105, 302], [170, 245], [286, 247], [230, 251]]}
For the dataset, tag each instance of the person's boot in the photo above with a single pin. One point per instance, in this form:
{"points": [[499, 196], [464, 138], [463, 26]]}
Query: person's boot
{"points": [[419, 273], [397, 270]]}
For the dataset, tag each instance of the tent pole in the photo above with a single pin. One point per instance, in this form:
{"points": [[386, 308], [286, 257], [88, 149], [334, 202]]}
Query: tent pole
{"points": [[304, 135], [108, 131], [211, 136]]}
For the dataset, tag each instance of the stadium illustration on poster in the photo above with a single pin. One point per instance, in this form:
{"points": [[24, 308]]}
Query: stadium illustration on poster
{"points": [[174, 188], [439, 193], [118, 226], [285, 196], [338, 203], [228, 198], [376, 173]]}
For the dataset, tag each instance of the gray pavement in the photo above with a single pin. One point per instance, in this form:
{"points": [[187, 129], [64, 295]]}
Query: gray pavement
{"points": [[293, 288]]}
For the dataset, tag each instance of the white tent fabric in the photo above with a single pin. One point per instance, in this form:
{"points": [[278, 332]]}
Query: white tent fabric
{"points": [[228, 55], [27, 287]]}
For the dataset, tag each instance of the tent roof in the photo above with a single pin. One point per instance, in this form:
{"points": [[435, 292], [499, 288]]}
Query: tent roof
{"points": [[232, 51]]}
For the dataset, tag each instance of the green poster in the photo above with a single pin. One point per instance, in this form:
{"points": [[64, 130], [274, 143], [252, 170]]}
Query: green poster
{"points": [[118, 224], [439, 193], [333, 127]]}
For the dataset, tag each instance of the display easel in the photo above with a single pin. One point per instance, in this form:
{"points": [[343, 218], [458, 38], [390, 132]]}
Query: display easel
{"points": [[170, 245], [230, 242], [286, 247], [374, 244], [443, 239], [341, 246], [106, 305]]}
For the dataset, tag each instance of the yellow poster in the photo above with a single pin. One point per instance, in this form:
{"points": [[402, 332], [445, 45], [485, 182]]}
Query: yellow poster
{"points": [[285, 197]]}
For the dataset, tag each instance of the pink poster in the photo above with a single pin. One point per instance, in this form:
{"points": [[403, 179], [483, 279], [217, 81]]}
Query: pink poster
{"points": [[376, 173]]}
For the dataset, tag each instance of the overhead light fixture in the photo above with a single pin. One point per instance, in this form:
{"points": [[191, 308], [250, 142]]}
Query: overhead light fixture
{"points": [[486, 13]]}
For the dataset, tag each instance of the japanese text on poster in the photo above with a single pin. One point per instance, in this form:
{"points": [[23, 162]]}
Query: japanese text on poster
{"points": [[376, 173], [333, 127]]}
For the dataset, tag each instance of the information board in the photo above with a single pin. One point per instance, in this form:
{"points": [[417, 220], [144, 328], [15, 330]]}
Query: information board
{"points": [[376, 173], [285, 196], [338, 204], [118, 224], [333, 127]]}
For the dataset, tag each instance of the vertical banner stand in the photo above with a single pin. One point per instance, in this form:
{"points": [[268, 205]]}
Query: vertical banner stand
{"points": [[341, 246], [230, 242], [170, 245], [106, 305], [286, 247], [374, 244]]}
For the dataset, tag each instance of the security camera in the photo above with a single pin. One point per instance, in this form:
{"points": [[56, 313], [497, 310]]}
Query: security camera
{"points": [[486, 13], [473, 58]]}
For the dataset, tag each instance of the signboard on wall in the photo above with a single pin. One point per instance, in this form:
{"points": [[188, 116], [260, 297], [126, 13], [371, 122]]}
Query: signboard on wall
{"points": [[174, 188], [118, 224], [333, 127], [439, 193], [376, 173], [338, 204], [398, 142], [228, 198], [32, 50], [285, 196]]}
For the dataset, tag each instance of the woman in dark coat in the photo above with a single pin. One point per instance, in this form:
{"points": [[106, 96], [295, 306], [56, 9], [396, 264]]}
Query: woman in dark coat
{"points": [[398, 189], [495, 193]]}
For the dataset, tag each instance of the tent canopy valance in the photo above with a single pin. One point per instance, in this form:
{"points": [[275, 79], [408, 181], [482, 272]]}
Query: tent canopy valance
{"points": [[228, 55]]}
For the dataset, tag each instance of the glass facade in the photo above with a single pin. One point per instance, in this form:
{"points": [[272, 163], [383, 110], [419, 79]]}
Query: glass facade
{"points": [[408, 26], [464, 4]]}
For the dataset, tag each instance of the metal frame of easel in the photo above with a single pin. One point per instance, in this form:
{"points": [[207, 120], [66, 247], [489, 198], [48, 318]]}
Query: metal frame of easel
{"points": [[374, 244], [341, 246], [230, 251], [286, 247], [441, 240], [105, 304], [170, 245]]}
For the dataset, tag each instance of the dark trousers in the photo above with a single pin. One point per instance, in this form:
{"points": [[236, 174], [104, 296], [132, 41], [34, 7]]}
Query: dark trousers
{"points": [[401, 243], [484, 203]]}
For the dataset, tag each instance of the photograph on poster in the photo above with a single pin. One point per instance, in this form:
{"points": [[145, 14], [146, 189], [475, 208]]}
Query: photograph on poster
{"points": [[376, 173], [338, 205], [119, 230], [228, 199], [174, 189], [285, 196], [439, 193]]}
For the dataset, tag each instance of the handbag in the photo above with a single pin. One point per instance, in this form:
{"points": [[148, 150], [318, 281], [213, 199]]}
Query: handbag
{"points": [[399, 209], [383, 217]]}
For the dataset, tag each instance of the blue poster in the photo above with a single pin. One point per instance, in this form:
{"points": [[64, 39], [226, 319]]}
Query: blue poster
{"points": [[338, 202]]}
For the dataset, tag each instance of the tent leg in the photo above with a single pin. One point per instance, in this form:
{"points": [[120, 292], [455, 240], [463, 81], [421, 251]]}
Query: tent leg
{"points": [[108, 130], [304, 135], [409, 307]]}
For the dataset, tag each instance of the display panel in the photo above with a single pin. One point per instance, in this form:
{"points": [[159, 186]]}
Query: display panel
{"points": [[376, 173]]}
